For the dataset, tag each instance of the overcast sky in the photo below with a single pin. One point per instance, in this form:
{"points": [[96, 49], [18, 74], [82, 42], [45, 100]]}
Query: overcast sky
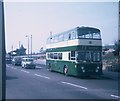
{"points": [[40, 18]]}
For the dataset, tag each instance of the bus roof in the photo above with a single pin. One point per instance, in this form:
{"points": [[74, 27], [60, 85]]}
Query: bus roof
{"points": [[83, 30]]}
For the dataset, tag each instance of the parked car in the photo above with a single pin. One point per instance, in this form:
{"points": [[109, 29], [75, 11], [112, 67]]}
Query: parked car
{"points": [[16, 61], [28, 63], [8, 60]]}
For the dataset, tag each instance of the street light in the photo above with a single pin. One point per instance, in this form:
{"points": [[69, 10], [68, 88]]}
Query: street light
{"points": [[28, 44]]}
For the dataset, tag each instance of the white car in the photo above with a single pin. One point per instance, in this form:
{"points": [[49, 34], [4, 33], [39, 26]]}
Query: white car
{"points": [[28, 63]]}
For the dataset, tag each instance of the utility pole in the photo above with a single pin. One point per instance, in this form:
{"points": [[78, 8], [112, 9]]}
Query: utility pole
{"points": [[2, 54], [28, 44], [50, 35], [19, 44], [119, 38], [11, 52]]}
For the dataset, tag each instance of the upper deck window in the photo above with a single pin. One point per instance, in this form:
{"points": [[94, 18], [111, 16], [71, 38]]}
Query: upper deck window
{"points": [[60, 37], [56, 39], [96, 36], [66, 36], [81, 36], [73, 35], [91, 36], [87, 36], [81, 33]]}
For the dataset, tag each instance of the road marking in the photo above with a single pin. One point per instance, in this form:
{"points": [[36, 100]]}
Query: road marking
{"points": [[115, 96], [25, 71], [13, 68], [42, 76], [39, 67], [73, 85]]}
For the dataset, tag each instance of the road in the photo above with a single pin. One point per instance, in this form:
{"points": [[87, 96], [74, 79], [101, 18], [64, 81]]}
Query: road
{"points": [[40, 83]]}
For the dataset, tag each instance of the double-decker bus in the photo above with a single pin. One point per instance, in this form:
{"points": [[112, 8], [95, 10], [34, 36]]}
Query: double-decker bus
{"points": [[76, 52]]}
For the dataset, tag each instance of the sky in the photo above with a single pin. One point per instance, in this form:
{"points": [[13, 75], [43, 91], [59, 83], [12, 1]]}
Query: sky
{"points": [[40, 18]]}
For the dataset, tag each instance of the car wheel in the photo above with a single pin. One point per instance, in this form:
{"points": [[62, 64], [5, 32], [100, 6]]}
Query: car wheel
{"points": [[34, 67], [22, 66], [25, 66]]}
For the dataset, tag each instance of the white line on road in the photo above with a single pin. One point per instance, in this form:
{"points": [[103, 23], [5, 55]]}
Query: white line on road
{"points": [[25, 71], [74, 85], [13, 68], [39, 67], [115, 96], [42, 76]]}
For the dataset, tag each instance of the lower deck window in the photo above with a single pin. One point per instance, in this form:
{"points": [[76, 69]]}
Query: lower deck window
{"points": [[54, 55], [72, 55], [59, 55]]}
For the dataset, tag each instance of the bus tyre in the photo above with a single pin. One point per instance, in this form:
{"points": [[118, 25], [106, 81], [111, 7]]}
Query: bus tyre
{"points": [[22, 65], [50, 69], [65, 70]]}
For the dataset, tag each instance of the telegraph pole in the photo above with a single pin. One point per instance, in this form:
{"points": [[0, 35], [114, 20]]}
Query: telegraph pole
{"points": [[19, 44], [11, 52], [28, 44], [2, 54]]}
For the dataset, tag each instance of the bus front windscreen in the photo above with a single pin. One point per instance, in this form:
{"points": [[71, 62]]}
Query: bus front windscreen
{"points": [[88, 56]]}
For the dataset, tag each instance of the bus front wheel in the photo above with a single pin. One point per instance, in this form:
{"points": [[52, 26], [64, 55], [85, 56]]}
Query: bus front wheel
{"points": [[49, 67], [65, 70]]}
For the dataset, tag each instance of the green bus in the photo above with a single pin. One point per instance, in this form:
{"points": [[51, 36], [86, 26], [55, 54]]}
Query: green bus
{"points": [[76, 52]]}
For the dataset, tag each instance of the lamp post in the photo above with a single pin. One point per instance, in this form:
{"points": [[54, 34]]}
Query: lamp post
{"points": [[2, 53], [28, 44]]}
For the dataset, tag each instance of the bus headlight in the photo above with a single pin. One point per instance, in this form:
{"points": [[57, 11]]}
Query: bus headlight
{"points": [[82, 67], [75, 66], [98, 67]]}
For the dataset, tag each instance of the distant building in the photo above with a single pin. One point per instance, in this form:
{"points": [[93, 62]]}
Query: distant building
{"points": [[18, 52], [108, 48]]}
